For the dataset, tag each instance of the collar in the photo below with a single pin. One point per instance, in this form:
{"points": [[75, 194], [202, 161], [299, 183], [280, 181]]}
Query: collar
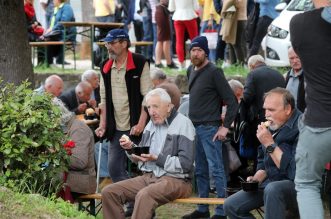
{"points": [[293, 119], [292, 74], [172, 116], [129, 64]]}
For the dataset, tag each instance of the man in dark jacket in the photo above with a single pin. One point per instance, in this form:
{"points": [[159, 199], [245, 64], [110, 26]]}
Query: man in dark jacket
{"points": [[276, 162], [295, 80], [77, 99], [260, 80]]}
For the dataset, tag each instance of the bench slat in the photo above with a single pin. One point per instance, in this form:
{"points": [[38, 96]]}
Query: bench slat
{"points": [[191, 200], [49, 43]]}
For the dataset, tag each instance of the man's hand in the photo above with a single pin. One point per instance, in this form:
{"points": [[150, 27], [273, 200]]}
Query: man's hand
{"points": [[100, 131], [144, 157], [221, 133], [264, 136], [259, 176], [82, 107], [126, 143], [92, 103], [137, 129]]}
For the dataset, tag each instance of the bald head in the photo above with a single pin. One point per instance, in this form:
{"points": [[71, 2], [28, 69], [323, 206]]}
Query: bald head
{"points": [[54, 85], [83, 91]]}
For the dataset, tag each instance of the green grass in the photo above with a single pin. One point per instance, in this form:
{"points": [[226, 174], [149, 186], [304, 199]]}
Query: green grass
{"points": [[30, 206], [43, 69]]}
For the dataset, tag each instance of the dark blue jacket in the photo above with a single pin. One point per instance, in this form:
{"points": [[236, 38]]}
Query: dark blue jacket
{"points": [[286, 139], [65, 13]]}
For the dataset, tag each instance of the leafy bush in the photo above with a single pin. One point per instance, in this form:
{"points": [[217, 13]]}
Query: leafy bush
{"points": [[30, 140]]}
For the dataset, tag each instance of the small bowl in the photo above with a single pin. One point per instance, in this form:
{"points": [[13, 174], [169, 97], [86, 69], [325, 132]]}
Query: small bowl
{"points": [[90, 117], [141, 150], [250, 186]]}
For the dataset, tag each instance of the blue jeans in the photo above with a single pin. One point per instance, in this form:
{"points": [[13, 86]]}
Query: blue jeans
{"points": [[208, 157], [312, 153], [277, 197], [103, 169], [212, 52], [117, 159], [148, 36]]}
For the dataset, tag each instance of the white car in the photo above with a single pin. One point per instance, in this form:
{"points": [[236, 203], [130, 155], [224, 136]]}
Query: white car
{"points": [[277, 41]]}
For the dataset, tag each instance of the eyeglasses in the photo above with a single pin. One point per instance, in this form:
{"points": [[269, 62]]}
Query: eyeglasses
{"points": [[112, 43]]}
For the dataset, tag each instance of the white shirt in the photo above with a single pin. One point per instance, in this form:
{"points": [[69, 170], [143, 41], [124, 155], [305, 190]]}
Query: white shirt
{"points": [[183, 9]]}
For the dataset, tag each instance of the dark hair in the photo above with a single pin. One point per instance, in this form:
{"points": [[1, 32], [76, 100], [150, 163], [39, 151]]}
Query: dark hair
{"points": [[288, 98]]}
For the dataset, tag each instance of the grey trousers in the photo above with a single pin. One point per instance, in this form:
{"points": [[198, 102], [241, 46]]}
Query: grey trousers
{"points": [[148, 191], [312, 153], [277, 197]]}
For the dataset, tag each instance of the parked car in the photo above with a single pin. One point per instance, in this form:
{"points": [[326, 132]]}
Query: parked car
{"points": [[277, 41]]}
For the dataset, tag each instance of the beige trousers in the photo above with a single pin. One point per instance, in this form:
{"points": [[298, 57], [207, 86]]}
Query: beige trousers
{"points": [[147, 191]]}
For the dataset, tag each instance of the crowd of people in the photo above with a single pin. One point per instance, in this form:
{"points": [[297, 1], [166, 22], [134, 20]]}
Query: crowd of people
{"points": [[138, 106]]}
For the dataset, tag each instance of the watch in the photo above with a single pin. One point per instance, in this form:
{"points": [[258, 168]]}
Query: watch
{"points": [[270, 148]]}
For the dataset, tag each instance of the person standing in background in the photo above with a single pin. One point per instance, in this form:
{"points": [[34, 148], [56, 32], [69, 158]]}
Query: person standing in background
{"points": [[48, 6], [185, 19], [163, 35], [210, 21], [295, 82], [208, 90]]}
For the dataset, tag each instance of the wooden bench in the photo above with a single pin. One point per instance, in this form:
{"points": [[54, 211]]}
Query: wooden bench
{"points": [[94, 209], [66, 46]]}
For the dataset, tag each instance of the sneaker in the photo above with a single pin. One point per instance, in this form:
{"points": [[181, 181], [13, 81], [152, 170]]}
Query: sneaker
{"points": [[197, 214], [172, 65], [159, 65], [64, 63], [128, 212], [218, 217]]}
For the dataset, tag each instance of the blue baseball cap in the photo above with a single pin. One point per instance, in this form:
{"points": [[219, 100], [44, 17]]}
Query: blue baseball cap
{"points": [[116, 34]]}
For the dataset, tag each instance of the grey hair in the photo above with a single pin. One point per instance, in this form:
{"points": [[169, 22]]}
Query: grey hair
{"points": [[162, 93], [158, 74], [88, 74], [235, 84], [288, 99], [255, 59]]}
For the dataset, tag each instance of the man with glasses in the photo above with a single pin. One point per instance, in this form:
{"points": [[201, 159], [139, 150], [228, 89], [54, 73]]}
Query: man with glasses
{"points": [[124, 83]]}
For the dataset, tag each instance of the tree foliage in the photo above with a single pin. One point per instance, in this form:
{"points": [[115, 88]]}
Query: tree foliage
{"points": [[31, 140]]}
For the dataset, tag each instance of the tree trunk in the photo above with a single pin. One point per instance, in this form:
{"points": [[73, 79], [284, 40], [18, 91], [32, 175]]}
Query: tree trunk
{"points": [[15, 53], [87, 15]]}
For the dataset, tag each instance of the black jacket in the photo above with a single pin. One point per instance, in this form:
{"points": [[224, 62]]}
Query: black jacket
{"points": [[69, 98], [259, 81]]}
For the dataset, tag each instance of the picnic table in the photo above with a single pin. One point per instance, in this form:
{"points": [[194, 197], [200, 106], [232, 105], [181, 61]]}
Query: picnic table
{"points": [[90, 28]]}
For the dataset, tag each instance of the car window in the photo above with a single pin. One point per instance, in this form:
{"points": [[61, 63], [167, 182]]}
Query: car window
{"points": [[300, 5]]}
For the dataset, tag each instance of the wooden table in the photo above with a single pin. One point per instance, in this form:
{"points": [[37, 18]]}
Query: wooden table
{"points": [[90, 27]]}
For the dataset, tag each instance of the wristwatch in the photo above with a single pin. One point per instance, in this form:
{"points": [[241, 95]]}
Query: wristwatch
{"points": [[270, 148]]}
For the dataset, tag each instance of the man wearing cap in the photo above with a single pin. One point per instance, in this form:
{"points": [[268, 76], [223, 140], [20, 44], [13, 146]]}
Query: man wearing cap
{"points": [[208, 90], [124, 83]]}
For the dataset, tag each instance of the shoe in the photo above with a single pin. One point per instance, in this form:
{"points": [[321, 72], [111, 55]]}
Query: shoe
{"points": [[64, 63], [212, 190], [106, 181], [128, 212], [197, 214], [172, 66], [159, 65], [218, 217]]}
